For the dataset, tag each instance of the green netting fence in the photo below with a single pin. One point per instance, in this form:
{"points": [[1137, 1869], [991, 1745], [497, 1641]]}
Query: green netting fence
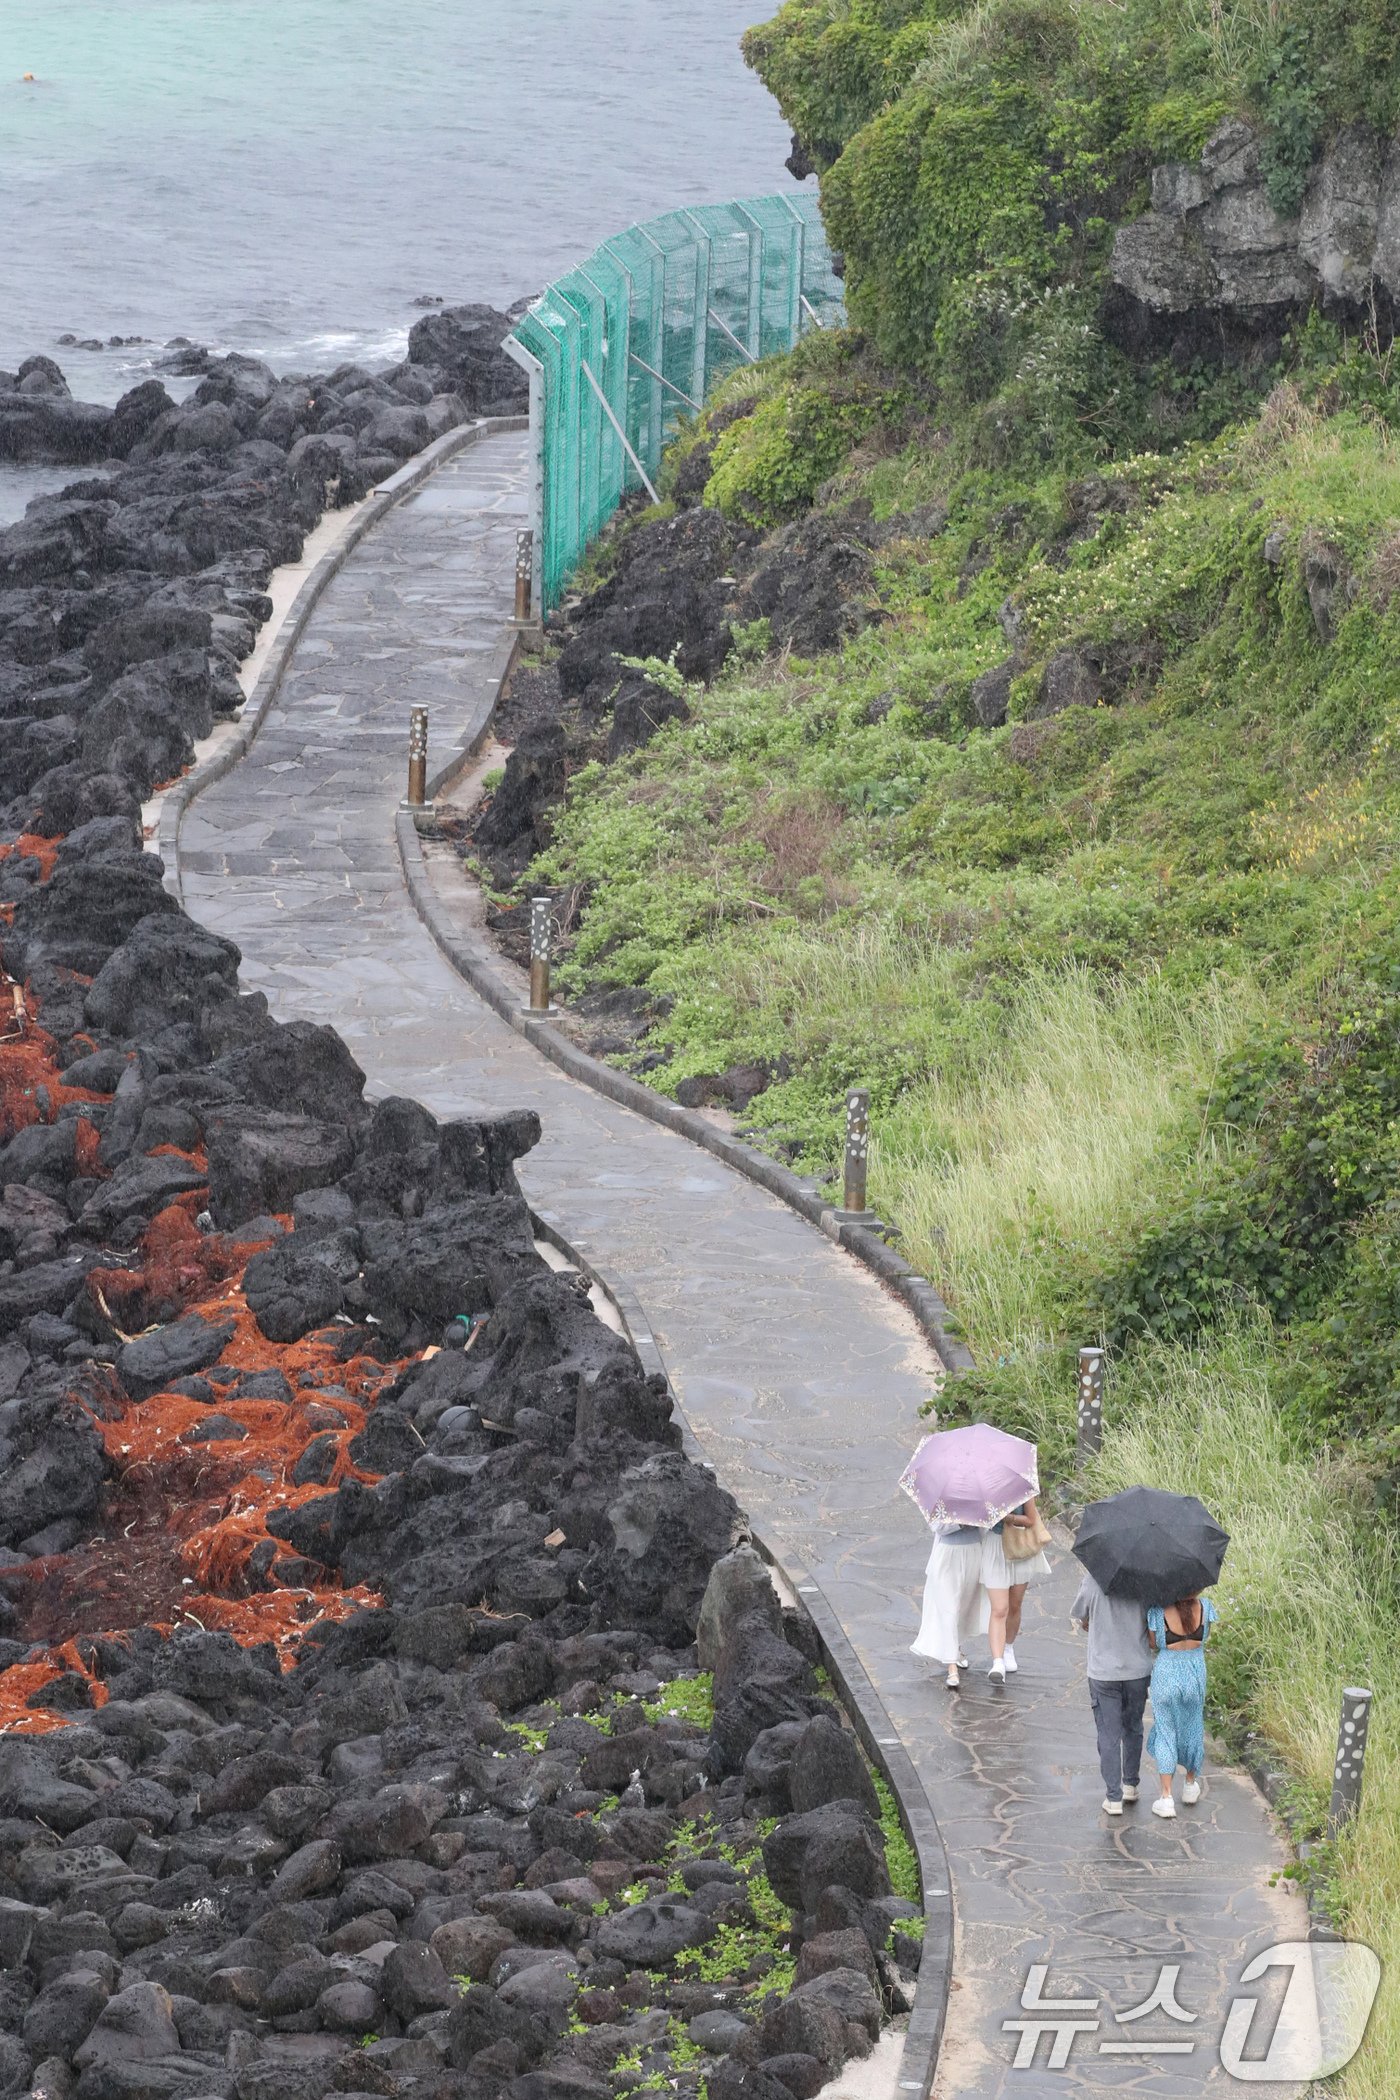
{"points": [[623, 347]]}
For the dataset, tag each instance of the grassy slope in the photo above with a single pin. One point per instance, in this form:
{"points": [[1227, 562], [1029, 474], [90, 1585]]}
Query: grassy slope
{"points": [[1125, 983]]}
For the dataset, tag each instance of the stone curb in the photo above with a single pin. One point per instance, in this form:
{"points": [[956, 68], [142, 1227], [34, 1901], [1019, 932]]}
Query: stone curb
{"points": [[476, 963], [877, 1733], [388, 493]]}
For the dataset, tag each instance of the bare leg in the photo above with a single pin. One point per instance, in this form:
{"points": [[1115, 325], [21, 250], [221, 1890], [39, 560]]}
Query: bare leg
{"points": [[1016, 1597], [1165, 1783], [999, 1600]]}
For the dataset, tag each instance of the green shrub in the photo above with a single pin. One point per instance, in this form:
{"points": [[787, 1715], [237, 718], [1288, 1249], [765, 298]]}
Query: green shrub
{"points": [[1322, 1116], [831, 69], [768, 465]]}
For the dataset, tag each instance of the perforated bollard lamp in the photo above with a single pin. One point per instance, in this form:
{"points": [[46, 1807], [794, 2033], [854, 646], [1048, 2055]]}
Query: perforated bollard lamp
{"points": [[418, 758], [854, 1202], [1091, 1363], [540, 921], [524, 574], [1351, 1757]]}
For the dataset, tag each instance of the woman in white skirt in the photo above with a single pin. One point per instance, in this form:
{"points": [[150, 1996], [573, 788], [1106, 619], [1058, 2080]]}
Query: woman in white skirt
{"points": [[954, 1600], [1005, 1584]]}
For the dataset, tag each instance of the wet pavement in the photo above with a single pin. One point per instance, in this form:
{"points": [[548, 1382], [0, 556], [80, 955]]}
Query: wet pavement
{"points": [[800, 1375]]}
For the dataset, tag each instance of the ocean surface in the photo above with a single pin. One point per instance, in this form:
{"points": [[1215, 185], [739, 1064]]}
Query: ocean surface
{"points": [[286, 177]]}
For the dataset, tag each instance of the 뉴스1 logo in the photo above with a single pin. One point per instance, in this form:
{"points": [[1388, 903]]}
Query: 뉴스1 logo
{"points": [[1318, 2028]]}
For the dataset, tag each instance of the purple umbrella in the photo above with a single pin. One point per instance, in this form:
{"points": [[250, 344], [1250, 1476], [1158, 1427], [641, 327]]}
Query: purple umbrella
{"points": [[971, 1476]]}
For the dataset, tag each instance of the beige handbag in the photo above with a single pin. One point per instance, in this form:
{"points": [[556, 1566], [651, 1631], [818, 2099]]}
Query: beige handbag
{"points": [[1024, 1541]]}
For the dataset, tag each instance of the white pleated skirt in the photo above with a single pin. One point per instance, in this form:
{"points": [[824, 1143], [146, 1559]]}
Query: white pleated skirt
{"points": [[999, 1573], [955, 1603]]}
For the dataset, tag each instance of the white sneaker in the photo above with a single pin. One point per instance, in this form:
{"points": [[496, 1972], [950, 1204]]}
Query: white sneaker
{"points": [[1113, 1808], [1130, 1793], [1164, 1806], [1191, 1792], [997, 1672], [1009, 1658]]}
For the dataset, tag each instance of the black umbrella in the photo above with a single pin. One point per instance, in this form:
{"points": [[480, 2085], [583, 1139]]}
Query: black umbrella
{"points": [[1151, 1545]]}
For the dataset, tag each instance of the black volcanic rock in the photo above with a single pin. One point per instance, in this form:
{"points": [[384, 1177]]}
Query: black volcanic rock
{"points": [[463, 345], [226, 1879], [838, 1845], [261, 1159], [165, 972], [293, 1288], [76, 921], [141, 1186], [59, 1474], [148, 1364]]}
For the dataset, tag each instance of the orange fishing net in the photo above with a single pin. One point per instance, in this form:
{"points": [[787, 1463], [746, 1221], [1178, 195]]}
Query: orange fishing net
{"points": [[179, 1263], [45, 851], [31, 1086], [182, 1535], [19, 1684]]}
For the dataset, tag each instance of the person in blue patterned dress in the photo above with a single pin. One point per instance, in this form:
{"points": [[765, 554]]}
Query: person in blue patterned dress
{"points": [[1178, 1633]]}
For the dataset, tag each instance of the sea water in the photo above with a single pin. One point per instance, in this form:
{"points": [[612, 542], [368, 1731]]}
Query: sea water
{"points": [[287, 177]]}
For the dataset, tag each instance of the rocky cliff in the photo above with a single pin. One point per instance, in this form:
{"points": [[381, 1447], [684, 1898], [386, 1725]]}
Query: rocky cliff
{"points": [[1214, 263]]}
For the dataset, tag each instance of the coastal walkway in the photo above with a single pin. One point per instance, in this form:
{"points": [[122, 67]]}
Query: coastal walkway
{"points": [[800, 1375]]}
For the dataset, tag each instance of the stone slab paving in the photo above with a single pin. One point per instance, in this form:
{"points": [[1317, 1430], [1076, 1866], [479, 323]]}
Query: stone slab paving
{"points": [[801, 1376]]}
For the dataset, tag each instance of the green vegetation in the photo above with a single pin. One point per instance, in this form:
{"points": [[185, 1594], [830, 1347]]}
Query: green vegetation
{"points": [[684, 1699], [531, 1739], [999, 139], [899, 1853], [759, 1950]]}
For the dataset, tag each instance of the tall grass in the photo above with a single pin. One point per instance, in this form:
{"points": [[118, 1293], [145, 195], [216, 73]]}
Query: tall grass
{"points": [[1052, 1146], [1233, 31]]}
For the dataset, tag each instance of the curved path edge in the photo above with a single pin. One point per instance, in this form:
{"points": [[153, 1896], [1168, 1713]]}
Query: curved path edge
{"points": [[389, 493], [876, 1731], [475, 961]]}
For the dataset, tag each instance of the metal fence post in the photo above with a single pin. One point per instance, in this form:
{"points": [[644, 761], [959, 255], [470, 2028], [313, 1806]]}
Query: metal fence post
{"points": [[534, 371], [853, 1202], [1091, 1363], [540, 914], [524, 575], [1351, 1757], [700, 335], [418, 757]]}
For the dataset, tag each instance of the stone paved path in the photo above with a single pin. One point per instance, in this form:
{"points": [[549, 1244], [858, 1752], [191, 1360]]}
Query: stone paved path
{"points": [[800, 1375]]}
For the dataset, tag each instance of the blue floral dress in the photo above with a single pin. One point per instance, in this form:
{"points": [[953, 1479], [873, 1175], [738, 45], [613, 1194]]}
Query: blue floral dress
{"points": [[1178, 1696]]}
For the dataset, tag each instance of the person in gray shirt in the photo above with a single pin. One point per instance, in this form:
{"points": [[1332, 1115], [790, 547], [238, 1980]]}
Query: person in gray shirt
{"points": [[1119, 1665]]}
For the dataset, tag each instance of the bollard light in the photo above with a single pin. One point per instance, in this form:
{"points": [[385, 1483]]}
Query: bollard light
{"points": [[857, 1150], [1351, 1757], [540, 917], [1091, 1363], [418, 758], [524, 574]]}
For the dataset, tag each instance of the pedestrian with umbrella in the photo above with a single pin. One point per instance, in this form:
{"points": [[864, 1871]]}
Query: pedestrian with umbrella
{"points": [[1152, 1547], [1178, 1733], [1118, 1669], [967, 1482]]}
